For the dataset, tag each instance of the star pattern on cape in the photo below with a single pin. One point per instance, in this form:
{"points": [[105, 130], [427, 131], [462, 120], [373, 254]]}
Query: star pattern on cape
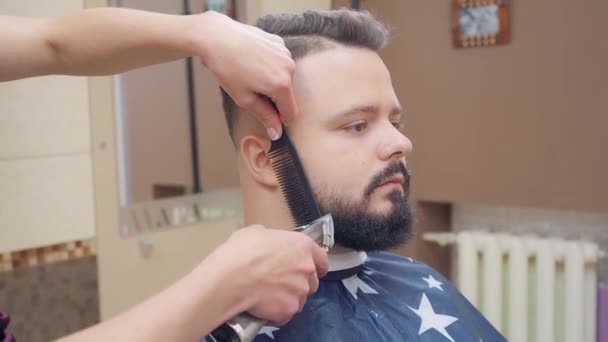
{"points": [[432, 320], [268, 330], [433, 283], [354, 283], [388, 289]]}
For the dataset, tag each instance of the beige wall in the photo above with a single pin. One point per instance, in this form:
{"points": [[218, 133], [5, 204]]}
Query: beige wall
{"points": [[519, 125], [46, 189]]}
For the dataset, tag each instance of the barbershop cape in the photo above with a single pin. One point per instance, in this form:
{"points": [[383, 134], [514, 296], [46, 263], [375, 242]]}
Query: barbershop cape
{"points": [[380, 297]]}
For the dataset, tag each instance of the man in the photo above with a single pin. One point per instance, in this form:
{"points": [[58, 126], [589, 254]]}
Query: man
{"points": [[350, 144]]}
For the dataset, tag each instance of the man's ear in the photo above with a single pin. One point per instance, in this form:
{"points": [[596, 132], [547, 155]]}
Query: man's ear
{"points": [[255, 157]]}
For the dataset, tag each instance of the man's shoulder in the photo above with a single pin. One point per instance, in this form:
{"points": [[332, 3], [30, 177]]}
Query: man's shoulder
{"points": [[390, 299], [391, 256], [396, 261], [418, 283]]}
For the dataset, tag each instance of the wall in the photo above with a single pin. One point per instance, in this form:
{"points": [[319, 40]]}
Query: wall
{"points": [[515, 125], [45, 162]]}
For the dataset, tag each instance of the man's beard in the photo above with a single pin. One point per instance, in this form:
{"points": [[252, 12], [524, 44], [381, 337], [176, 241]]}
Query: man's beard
{"points": [[357, 228]]}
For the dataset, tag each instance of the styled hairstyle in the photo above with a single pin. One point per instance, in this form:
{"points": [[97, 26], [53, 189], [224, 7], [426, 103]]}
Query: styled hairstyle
{"points": [[315, 31]]}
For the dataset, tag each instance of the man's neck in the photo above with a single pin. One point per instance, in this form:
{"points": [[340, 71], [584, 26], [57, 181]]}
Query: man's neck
{"points": [[284, 222], [263, 209], [337, 249]]}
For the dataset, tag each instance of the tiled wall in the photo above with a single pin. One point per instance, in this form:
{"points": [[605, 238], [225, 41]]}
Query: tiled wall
{"points": [[50, 300]]}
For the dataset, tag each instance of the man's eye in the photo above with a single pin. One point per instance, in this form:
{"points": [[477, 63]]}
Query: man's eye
{"points": [[358, 127]]}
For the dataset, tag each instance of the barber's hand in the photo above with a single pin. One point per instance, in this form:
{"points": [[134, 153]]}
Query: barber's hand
{"points": [[276, 270], [252, 66]]}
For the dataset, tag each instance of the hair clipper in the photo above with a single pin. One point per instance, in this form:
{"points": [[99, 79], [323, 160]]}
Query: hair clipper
{"points": [[244, 327]]}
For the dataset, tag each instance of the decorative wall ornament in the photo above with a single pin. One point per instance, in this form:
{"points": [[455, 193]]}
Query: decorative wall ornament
{"points": [[480, 23]]}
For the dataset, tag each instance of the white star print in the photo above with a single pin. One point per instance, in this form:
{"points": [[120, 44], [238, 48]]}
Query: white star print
{"points": [[268, 331], [354, 283], [410, 259], [433, 283], [432, 320]]}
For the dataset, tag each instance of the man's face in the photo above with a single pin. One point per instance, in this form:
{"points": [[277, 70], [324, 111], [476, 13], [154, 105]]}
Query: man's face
{"points": [[347, 136]]}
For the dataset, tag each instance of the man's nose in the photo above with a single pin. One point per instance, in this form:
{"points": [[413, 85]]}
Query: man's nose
{"points": [[395, 145]]}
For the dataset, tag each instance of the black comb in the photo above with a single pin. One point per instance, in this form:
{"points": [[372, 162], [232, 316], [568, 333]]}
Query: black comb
{"points": [[304, 210], [292, 179]]}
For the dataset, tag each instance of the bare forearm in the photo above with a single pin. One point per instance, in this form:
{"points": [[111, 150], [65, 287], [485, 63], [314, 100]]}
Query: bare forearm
{"points": [[98, 41], [186, 311]]}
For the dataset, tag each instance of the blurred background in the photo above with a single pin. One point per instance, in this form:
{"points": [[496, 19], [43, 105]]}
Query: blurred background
{"points": [[113, 187]]}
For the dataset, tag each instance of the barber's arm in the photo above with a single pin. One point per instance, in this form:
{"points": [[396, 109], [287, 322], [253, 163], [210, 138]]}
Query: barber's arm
{"points": [[103, 41], [269, 273]]}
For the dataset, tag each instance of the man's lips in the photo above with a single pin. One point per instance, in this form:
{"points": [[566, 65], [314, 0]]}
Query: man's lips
{"points": [[394, 180]]}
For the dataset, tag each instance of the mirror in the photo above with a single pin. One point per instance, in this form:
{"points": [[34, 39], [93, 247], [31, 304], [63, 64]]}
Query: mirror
{"points": [[172, 132], [176, 160]]}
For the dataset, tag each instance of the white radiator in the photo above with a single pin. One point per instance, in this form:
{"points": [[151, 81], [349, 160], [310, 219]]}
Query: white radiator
{"points": [[529, 288]]}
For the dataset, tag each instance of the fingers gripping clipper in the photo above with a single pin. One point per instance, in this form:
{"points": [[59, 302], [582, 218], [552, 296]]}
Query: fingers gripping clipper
{"points": [[244, 327]]}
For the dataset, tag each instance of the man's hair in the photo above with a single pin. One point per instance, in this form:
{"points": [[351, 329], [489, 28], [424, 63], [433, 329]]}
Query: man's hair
{"points": [[315, 31]]}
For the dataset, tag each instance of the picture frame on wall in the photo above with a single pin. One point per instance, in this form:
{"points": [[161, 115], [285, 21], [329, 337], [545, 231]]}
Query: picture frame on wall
{"points": [[226, 7], [477, 23]]}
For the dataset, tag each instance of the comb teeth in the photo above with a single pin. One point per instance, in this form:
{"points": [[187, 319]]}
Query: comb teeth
{"points": [[294, 184]]}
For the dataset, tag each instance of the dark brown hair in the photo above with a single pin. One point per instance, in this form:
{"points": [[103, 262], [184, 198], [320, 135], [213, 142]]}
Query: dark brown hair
{"points": [[314, 31]]}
